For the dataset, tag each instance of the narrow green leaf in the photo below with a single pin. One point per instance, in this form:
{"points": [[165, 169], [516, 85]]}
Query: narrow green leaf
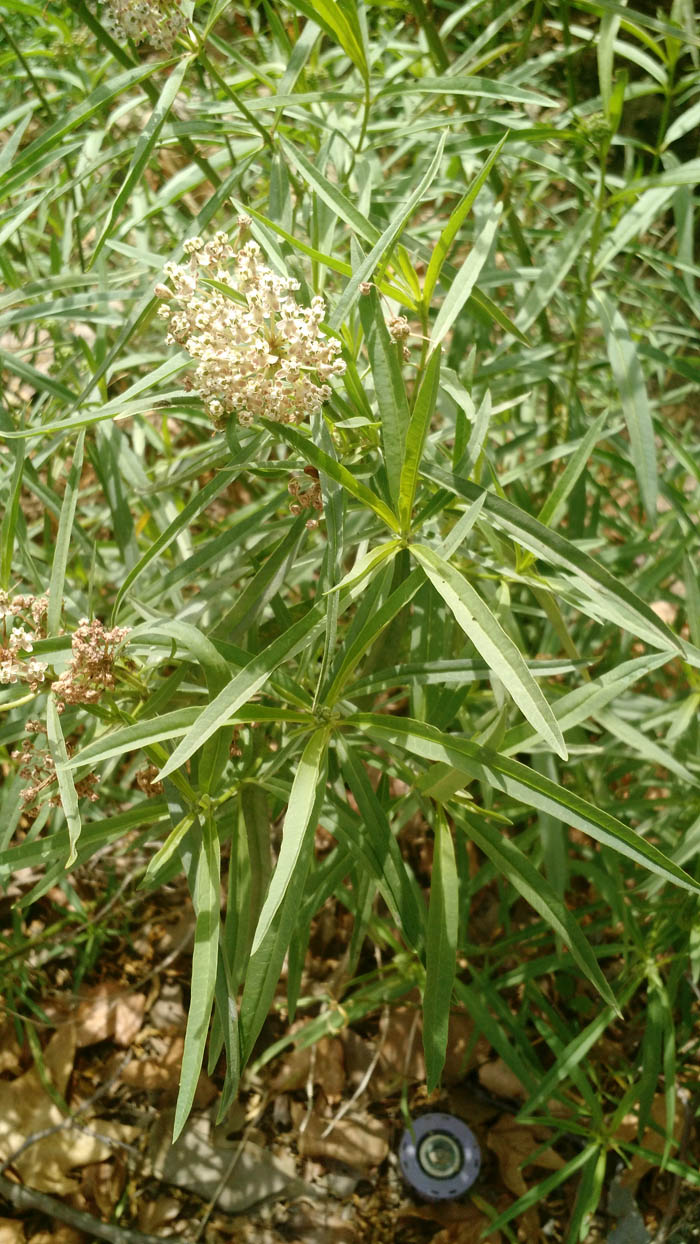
{"points": [[389, 387], [393, 231], [335, 21], [454, 224], [607, 593], [554, 505], [323, 462], [202, 498], [144, 147], [206, 899], [265, 965], [417, 431], [466, 279], [310, 777], [491, 642], [330, 193], [388, 863], [531, 788], [554, 272], [441, 952], [244, 686], [629, 379], [479, 88], [63, 538], [8, 527], [355, 650], [367, 564], [515, 866], [66, 786], [265, 583]]}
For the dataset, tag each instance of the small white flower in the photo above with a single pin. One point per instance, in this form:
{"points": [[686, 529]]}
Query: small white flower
{"points": [[260, 358]]}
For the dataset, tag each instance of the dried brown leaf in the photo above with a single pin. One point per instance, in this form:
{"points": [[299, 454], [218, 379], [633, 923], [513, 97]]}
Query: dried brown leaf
{"points": [[326, 1061], [26, 1108], [469, 1230], [163, 1075], [653, 1138], [497, 1078], [359, 1140], [168, 1013], [516, 1146], [154, 1214], [11, 1231], [109, 1011], [103, 1183]]}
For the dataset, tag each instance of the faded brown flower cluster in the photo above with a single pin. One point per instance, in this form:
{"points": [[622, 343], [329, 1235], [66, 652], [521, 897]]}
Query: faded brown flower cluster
{"points": [[399, 330], [146, 780], [309, 499], [22, 622], [259, 353], [36, 766], [157, 21], [89, 672]]}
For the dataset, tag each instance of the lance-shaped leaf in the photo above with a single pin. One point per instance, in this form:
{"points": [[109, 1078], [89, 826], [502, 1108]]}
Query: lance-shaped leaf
{"points": [[66, 786], [418, 429], [244, 686], [524, 784], [441, 951], [609, 595], [465, 280], [323, 462], [515, 866], [490, 640], [309, 779], [205, 881], [629, 379]]}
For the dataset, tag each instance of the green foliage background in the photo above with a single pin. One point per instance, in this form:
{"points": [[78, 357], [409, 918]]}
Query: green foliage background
{"points": [[496, 626]]}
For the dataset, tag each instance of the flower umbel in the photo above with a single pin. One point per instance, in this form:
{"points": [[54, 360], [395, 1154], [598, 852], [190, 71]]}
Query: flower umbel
{"points": [[157, 21], [259, 353], [90, 670], [36, 766], [21, 624]]}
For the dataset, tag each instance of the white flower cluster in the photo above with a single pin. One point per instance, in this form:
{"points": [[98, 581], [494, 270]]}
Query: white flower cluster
{"points": [[30, 612], [258, 351], [157, 21]]}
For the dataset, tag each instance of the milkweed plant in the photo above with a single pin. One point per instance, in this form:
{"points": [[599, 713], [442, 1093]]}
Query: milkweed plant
{"points": [[350, 479]]}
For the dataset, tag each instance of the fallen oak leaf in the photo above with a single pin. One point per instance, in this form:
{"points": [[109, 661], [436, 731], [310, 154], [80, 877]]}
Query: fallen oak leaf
{"points": [[27, 1109]]}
